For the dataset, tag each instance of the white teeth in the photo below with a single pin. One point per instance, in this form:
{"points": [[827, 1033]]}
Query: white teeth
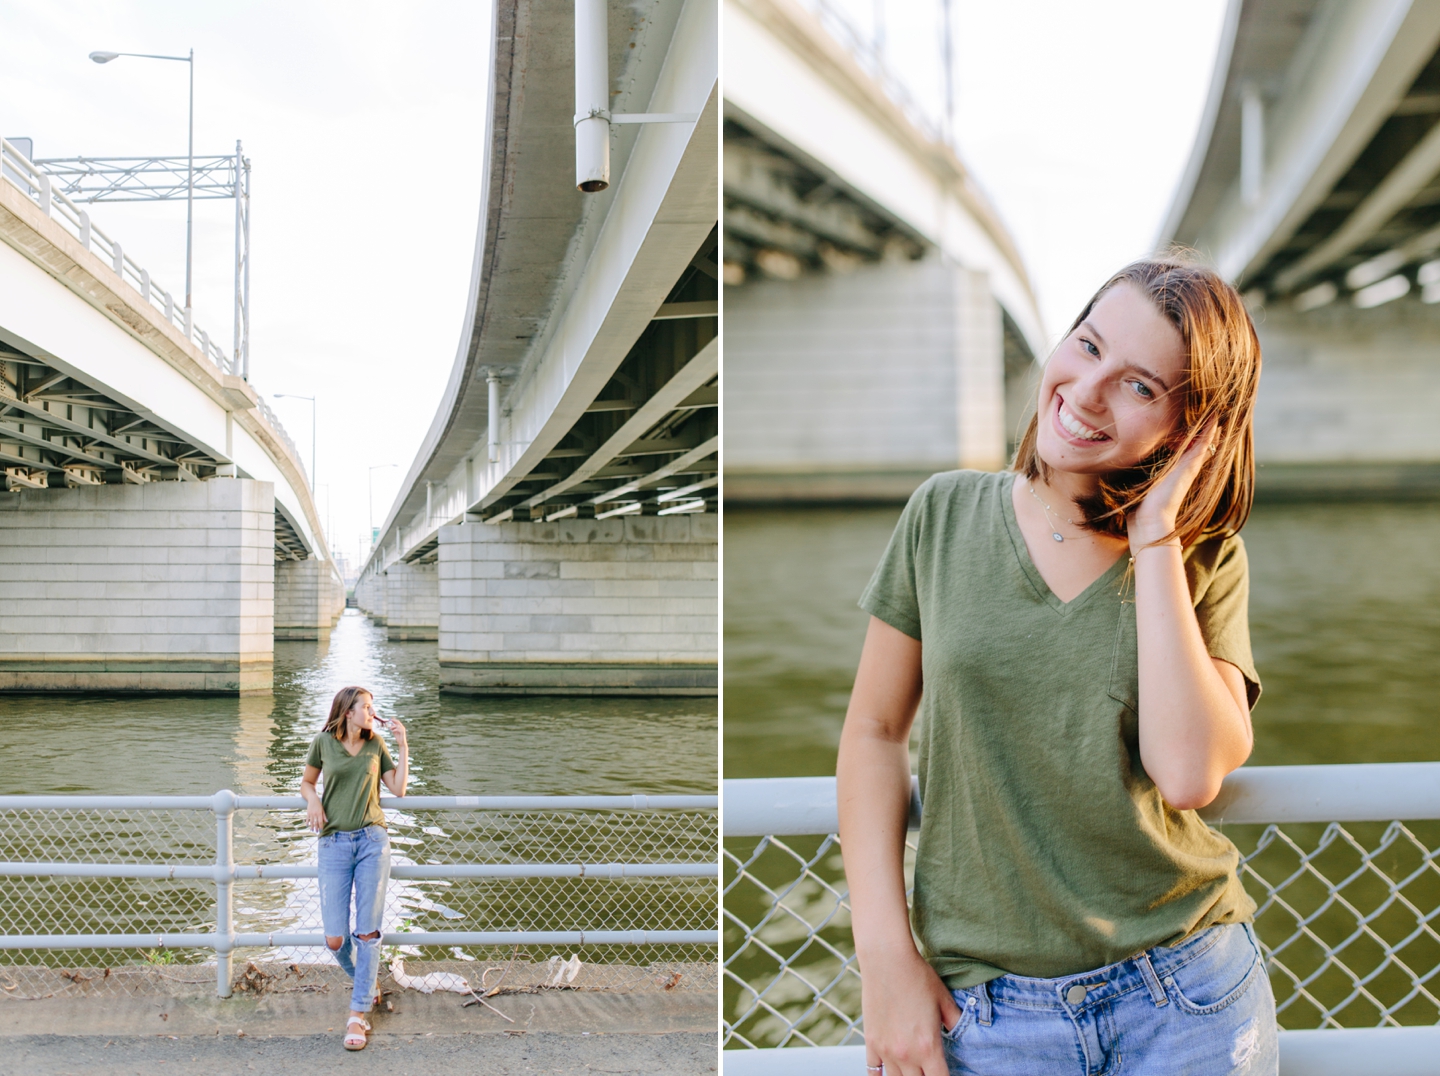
{"points": [[1077, 428]]}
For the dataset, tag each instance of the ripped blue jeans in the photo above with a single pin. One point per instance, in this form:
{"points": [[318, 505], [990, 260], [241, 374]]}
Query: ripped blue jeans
{"points": [[357, 862], [1201, 1008]]}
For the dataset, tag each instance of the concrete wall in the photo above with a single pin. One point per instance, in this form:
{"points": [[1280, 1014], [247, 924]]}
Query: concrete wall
{"points": [[162, 587], [412, 602], [862, 383], [370, 597], [622, 606], [308, 599]]}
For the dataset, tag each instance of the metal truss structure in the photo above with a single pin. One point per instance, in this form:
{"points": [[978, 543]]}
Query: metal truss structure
{"points": [[167, 179], [57, 429]]}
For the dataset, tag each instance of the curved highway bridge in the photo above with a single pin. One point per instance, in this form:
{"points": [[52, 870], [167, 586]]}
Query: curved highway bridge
{"points": [[879, 323], [556, 531], [1315, 185], [158, 532]]}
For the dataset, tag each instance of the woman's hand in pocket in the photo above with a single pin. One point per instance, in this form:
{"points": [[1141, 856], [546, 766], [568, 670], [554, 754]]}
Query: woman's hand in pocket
{"points": [[906, 1007]]}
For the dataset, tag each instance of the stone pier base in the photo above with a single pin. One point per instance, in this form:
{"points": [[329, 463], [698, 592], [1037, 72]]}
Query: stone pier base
{"points": [[622, 606], [308, 599], [165, 587], [412, 602]]}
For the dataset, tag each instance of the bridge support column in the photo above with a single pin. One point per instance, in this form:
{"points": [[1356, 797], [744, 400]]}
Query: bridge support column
{"points": [[860, 385], [1347, 401], [620, 606], [412, 602], [163, 587], [306, 605]]}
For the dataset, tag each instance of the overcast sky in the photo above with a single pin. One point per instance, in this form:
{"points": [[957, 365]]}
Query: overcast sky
{"points": [[364, 121]]}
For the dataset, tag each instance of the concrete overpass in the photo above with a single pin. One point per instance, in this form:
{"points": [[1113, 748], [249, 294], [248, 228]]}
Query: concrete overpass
{"points": [[556, 531], [1315, 185], [879, 323], [157, 532]]}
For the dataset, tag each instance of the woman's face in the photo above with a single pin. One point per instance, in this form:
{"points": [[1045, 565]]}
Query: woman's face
{"points": [[1111, 393], [362, 715]]}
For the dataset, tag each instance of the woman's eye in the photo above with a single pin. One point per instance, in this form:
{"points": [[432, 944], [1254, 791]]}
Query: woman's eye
{"points": [[1143, 390], [1090, 348]]}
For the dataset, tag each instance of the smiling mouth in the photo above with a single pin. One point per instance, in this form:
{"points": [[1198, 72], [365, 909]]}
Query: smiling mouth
{"points": [[1069, 423]]}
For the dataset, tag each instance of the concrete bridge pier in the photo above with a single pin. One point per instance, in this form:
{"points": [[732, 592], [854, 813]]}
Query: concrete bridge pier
{"points": [[620, 606], [860, 385], [308, 599], [412, 602], [160, 587]]}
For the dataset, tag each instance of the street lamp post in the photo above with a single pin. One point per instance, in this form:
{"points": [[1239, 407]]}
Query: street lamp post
{"points": [[293, 396], [105, 58]]}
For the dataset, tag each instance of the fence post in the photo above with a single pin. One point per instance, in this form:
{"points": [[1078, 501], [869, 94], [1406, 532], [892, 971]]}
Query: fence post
{"points": [[224, 808]]}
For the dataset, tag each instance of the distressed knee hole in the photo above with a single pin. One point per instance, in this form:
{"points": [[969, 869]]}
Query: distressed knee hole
{"points": [[335, 943], [368, 937]]}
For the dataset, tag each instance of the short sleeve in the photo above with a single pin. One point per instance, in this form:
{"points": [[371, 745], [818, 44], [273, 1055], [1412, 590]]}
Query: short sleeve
{"points": [[1220, 582], [892, 595], [313, 757], [386, 762]]}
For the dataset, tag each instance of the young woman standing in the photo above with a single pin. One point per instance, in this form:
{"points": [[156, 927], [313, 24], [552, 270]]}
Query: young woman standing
{"points": [[354, 846], [1079, 627]]}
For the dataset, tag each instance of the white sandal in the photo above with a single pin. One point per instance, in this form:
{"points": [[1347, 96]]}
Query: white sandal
{"points": [[356, 1040]]}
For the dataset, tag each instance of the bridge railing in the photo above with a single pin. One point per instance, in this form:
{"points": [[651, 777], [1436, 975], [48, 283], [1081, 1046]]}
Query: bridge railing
{"points": [[42, 189], [1343, 861], [190, 880]]}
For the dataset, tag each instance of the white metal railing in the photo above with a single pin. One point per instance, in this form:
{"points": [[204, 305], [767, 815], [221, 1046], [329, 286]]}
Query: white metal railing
{"points": [[40, 186], [531, 862], [1349, 917]]}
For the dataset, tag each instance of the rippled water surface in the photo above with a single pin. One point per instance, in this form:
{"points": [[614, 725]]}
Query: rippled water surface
{"points": [[1344, 616], [458, 744]]}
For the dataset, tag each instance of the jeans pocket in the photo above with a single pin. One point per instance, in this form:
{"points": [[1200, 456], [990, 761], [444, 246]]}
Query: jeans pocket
{"points": [[1219, 976], [967, 1004], [378, 834]]}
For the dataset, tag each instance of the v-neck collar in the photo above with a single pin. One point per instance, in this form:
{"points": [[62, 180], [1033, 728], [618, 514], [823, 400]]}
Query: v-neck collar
{"points": [[1032, 573]]}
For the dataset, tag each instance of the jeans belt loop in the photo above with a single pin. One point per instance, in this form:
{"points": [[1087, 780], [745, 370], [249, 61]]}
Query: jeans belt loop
{"points": [[985, 1012], [1152, 981]]}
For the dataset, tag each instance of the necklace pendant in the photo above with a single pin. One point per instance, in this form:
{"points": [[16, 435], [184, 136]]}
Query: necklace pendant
{"points": [[1057, 536]]}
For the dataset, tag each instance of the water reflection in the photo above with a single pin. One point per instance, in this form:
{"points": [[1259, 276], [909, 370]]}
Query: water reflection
{"points": [[459, 745], [1345, 620]]}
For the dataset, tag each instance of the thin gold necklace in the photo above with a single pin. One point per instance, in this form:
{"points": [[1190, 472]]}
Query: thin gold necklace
{"points": [[1054, 531]]}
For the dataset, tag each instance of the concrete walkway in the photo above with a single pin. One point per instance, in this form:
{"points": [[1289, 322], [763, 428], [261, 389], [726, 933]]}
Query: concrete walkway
{"points": [[554, 1032]]}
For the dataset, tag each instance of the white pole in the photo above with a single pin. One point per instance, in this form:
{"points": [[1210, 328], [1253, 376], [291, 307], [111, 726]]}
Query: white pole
{"points": [[190, 193], [492, 420], [1252, 145], [592, 96]]}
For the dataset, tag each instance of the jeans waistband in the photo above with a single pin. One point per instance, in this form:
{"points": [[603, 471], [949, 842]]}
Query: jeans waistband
{"points": [[1143, 971], [353, 834]]}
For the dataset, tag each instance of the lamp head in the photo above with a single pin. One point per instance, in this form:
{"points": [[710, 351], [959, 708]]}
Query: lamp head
{"points": [[104, 57]]}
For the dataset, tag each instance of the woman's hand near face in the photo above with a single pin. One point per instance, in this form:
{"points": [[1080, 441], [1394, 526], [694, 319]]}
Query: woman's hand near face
{"points": [[1158, 512], [397, 729]]}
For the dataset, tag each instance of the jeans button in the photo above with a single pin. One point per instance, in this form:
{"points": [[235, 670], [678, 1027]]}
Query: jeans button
{"points": [[1076, 994]]}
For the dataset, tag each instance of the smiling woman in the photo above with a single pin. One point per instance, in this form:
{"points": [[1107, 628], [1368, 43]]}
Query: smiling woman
{"points": [[1079, 628]]}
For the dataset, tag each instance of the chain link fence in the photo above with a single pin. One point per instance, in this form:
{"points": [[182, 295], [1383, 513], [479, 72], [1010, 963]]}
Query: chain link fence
{"points": [[1349, 918], [100, 898]]}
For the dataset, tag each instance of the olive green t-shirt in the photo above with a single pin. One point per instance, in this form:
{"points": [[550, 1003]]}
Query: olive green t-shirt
{"points": [[1044, 849], [351, 792]]}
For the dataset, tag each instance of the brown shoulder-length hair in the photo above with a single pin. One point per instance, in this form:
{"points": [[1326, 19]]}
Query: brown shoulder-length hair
{"points": [[1222, 376], [344, 701]]}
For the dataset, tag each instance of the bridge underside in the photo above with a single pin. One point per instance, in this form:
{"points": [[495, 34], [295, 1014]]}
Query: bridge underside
{"points": [[858, 361], [133, 559], [1315, 185]]}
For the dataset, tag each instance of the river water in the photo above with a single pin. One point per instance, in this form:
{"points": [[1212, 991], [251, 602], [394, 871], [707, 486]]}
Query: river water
{"points": [[1344, 619], [459, 745]]}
